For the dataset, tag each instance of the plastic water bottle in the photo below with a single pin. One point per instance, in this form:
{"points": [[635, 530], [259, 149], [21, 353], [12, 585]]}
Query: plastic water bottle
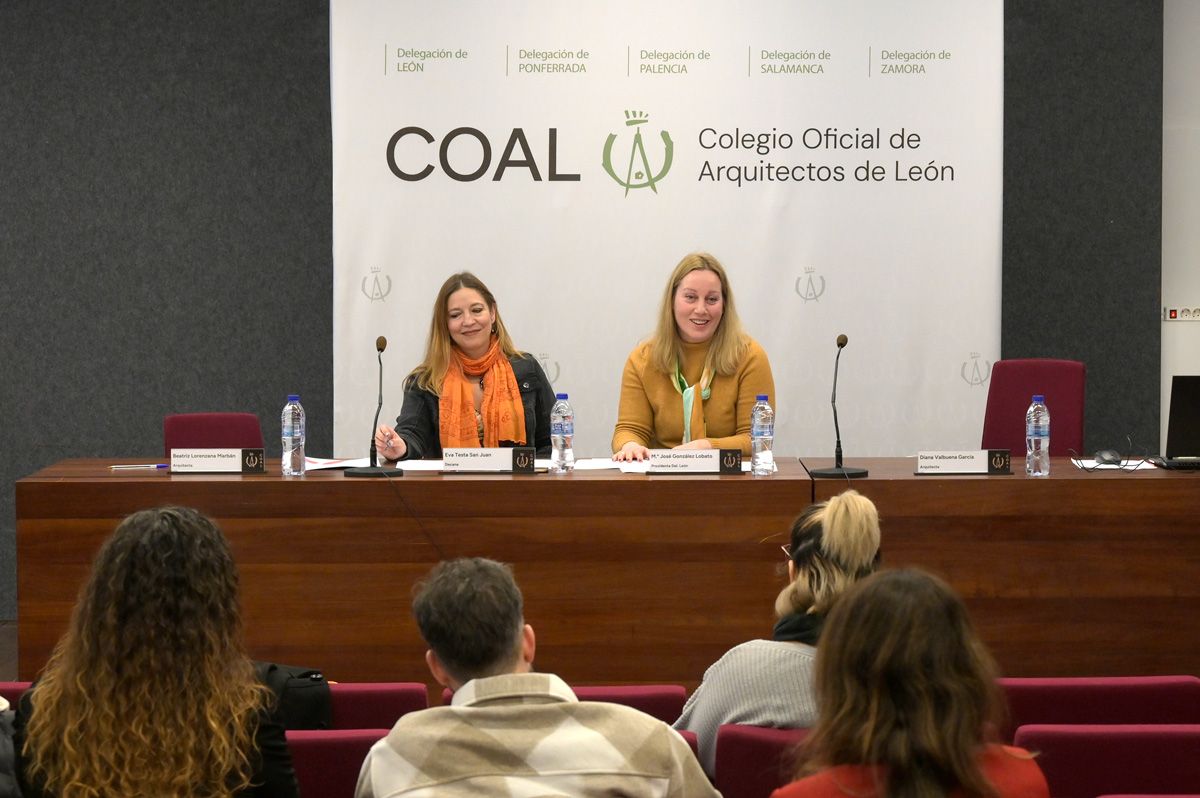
{"points": [[293, 437], [762, 437], [562, 434], [1037, 438]]}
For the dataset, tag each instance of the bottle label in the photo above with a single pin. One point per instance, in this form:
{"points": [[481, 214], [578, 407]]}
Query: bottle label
{"points": [[562, 427]]}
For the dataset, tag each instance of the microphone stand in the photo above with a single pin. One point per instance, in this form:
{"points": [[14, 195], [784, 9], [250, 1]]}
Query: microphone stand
{"points": [[375, 470], [838, 469]]}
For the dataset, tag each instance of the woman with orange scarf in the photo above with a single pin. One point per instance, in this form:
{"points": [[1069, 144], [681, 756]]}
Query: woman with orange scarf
{"points": [[474, 388]]}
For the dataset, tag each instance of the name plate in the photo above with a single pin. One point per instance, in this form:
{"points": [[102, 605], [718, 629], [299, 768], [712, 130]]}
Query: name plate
{"points": [[514, 460], [984, 461], [695, 461], [218, 461]]}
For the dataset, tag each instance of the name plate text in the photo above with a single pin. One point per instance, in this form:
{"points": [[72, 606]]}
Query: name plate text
{"points": [[695, 461], [518, 460], [218, 461], [984, 461]]}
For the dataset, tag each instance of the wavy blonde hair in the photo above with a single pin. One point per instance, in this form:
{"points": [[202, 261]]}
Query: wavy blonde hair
{"points": [[149, 691], [903, 681], [729, 342], [439, 347], [834, 544]]}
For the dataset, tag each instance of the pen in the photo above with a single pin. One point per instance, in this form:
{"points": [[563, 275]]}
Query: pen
{"points": [[138, 467]]}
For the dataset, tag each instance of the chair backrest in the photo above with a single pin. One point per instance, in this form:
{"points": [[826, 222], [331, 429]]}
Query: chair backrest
{"points": [[211, 431], [374, 705], [691, 739], [1014, 382], [13, 691], [1102, 700], [328, 761], [1086, 761], [752, 761], [662, 701]]}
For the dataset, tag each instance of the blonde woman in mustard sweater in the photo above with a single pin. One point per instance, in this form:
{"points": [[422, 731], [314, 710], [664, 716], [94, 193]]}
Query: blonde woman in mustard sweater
{"points": [[693, 383]]}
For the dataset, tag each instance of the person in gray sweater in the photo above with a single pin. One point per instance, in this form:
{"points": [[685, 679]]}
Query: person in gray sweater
{"points": [[770, 682]]}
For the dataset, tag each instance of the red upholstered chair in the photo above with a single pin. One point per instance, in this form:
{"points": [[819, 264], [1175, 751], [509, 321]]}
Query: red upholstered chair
{"points": [[13, 691], [753, 761], [328, 761], [1014, 382], [1102, 700], [215, 431], [1086, 761], [692, 740], [662, 701], [374, 705]]}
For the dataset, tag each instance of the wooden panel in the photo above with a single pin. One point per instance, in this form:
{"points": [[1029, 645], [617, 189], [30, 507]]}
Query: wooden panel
{"points": [[646, 579]]}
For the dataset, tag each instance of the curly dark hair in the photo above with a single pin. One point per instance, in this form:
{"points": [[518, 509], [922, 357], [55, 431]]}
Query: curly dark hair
{"points": [[150, 690]]}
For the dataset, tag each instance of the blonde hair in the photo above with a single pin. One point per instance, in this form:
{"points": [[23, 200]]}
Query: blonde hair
{"points": [[439, 347], [729, 342], [149, 691], [905, 683], [834, 544]]}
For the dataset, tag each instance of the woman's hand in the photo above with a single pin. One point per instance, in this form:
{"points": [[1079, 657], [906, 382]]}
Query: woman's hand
{"points": [[388, 444], [631, 451], [699, 443]]}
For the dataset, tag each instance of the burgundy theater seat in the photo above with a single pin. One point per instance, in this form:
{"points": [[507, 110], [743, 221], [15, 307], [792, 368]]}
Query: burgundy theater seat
{"points": [[328, 761], [1086, 761], [374, 705], [1105, 699], [13, 691], [753, 761]]}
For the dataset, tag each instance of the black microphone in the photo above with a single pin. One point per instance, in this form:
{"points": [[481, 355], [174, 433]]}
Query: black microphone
{"points": [[374, 470], [838, 470]]}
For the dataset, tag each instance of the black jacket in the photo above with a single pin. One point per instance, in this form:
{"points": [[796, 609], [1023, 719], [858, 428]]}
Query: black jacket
{"points": [[418, 420]]}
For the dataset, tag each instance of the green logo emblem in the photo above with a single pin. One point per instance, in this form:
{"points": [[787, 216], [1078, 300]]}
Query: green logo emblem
{"points": [[639, 173]]}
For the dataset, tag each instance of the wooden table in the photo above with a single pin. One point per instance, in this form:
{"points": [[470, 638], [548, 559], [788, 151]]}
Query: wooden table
{"points": [[646, 579]]}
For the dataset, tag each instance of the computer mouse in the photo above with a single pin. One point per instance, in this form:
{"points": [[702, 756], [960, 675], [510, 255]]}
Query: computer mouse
{"points": [[1108, 457]]}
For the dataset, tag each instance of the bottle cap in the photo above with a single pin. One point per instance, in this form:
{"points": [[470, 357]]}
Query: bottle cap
{"points": [[762, 397], [560, 396], [293, 397], [1039, 399]]}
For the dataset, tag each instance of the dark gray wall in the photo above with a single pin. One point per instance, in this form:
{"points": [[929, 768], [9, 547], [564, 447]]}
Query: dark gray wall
{"points": [[1083, 203], [165, 225], [165, 217]]}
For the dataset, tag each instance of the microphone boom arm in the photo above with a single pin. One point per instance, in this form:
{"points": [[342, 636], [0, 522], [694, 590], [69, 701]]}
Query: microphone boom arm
{"points": [[837, 430], [378, 408]]}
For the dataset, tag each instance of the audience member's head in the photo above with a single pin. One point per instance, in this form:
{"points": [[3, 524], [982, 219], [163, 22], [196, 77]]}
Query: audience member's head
{"points": [[470, 613], [149, 691], [903, 681], [834, 544]]}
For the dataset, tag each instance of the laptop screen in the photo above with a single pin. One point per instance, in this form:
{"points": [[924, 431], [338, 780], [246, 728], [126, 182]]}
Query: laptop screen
{"points": [[1183, 425]]}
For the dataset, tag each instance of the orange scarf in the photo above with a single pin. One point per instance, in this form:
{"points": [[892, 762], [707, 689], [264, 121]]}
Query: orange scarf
{"points": [[502, 410]]}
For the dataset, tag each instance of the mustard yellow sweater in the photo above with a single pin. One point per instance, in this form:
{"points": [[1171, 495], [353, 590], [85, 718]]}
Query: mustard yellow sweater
{"points": [[651, 410]]}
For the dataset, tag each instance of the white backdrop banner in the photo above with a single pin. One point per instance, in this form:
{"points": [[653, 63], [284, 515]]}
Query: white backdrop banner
{"points": [[842, 160]]}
